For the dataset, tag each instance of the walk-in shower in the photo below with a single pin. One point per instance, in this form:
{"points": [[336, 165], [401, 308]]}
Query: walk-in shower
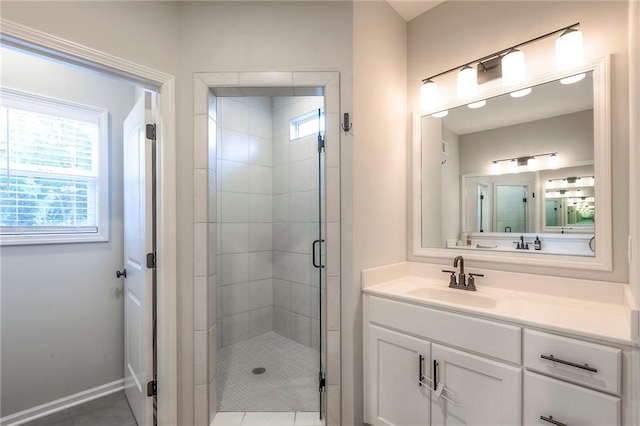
{"points": [[270, 252]]}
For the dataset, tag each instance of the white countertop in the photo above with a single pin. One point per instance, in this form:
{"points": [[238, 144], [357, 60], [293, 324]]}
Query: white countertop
{"points": [[592, 309]]}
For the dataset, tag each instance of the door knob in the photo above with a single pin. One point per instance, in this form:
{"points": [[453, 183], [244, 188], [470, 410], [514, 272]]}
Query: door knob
{"points": [[121, 274]]}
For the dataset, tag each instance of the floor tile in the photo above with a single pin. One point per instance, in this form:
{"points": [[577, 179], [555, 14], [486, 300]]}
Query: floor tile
{"points": [[263, 419], [308, 418], [228, 419]]}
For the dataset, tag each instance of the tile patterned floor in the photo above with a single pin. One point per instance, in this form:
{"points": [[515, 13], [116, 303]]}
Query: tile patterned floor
{"points": [[289, 384], [270, 418]]}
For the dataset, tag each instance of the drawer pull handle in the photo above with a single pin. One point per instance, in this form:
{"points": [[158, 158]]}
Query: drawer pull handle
{"points": [[569, 363], [553, 422]]}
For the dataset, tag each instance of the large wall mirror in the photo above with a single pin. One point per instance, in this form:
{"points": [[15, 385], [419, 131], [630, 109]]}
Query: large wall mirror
{"points": [[524, 178]]}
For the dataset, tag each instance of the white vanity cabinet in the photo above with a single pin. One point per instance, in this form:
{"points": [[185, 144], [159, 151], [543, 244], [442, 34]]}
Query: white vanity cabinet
{"points": [[478, 390]]}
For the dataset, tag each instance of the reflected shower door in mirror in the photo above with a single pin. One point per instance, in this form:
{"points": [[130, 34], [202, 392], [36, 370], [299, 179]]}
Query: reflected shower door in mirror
{"points": [[519, 166]]}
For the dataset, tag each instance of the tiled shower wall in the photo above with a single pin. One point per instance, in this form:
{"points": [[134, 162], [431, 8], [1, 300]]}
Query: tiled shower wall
{"points": [[295, 223], [245, 284]]}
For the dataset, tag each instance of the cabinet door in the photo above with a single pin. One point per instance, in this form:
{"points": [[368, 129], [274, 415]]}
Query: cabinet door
{"points": [[485, 392], [394, 396]]}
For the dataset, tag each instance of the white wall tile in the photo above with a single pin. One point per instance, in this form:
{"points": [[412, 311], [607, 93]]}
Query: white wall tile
{"points": [[233, 177], [235, 237], [315, 298], [212, 142], [200, 141], [200, 235], [301, 329], [212, 105], [281, 208], [200, 358], [332, 140], [260, 236], [315, 333], [234, 114], [260, 122], [301, 237], [260, 179], [280, 102], [261, 294], [212, 301], [333, 303], [200, 96], [200, 300], [282, 294], [264, 419], [332, 103], [235, 299], [234, 268], [233, 146], [333, 195], [212, 197], [266, 79], [300, 268], [301, 299], [234, 207], [260, 265], [300, 176], [201, 405], [261, 102], [212, 342], [260, 208], [261, 321], [333, 406], [235, 328], [299, 148], [281, 179], [282, 265], [282, 321], [333, 249], [281, 150], [333, 357], [212, 249], [228, 419], [281, 236], [260, 151], [301, 207], [213, 400]]}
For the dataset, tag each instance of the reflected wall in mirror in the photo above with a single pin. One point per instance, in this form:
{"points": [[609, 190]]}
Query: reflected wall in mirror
{"points": [[519, 166]]}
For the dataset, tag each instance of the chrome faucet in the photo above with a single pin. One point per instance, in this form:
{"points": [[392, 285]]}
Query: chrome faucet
{"points": [[460, 282]]}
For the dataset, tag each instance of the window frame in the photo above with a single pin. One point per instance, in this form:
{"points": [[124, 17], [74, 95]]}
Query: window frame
{"points": [[296, 122], [62, 108]]}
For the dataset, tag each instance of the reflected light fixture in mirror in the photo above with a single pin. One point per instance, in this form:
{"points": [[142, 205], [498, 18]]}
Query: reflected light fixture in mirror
{"points": [[520, 93], [478, 104], [440, 114]]}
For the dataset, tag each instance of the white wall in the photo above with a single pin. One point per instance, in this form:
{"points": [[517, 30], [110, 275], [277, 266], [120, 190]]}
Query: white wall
{"points": [[449, 34], [62, 305], [379, 179], [450, 198]]}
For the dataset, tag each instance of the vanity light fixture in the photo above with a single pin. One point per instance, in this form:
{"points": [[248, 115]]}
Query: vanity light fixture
{"points": [[572, 181], [554, 161], [478, 104], [467, 82], [511, 66], [440, 114], [515, 163], [573, 79]]}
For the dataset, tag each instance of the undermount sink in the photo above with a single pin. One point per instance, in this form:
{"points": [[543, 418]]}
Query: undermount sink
{"points": [[460, 297]]}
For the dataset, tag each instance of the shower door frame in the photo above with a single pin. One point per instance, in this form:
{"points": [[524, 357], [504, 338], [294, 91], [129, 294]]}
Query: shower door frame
{"points": [[304, 83]]}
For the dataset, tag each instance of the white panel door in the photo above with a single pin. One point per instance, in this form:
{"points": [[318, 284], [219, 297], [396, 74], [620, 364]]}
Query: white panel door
{"points": [[486, 392], [394, 395], [138, 241]]}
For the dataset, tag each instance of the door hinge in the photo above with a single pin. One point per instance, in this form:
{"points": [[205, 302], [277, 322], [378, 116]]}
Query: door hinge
{"points": [[151, 131], [152, 388], [321, 381], [151, 260], [320, 143]]}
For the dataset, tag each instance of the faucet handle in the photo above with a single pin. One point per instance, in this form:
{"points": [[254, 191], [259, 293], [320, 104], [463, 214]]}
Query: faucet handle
{"points": [[471, 285], [452, 279]]}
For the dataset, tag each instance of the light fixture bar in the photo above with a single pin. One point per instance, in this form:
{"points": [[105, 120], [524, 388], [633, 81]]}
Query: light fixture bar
{"points": [[522, 160], [503, 51]]}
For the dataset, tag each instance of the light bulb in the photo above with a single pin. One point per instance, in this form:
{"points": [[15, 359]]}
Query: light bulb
{"points": [[495, 168], [440, 114], [520, 93], [512, 67], [428, 94], [467, 82], [550, 184], [569, 49], [554, 161], [532, 163], [478, 104], [573, 79], [513, 165]]}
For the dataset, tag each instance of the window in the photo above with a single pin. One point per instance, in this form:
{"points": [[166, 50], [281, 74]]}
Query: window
{"points": [[307, 124], [53, 171]]}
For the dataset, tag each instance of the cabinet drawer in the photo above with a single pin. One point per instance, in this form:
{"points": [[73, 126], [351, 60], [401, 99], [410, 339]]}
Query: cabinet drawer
{"points": [[575, 360], [566, 404], [489, 338]]}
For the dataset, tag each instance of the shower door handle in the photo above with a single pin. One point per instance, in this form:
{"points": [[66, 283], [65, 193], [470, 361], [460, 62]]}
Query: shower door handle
{"points": [[313, 253]]}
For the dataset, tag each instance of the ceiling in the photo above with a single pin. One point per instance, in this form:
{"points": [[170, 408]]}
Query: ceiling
{"points": [[409, 9]]}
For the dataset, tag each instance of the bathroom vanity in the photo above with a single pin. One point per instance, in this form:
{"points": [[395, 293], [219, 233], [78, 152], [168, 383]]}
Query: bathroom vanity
{"points": [[560, 352]]}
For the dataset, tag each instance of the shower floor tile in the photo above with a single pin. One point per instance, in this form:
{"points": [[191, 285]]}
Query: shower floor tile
{"points": [[289, 383]]}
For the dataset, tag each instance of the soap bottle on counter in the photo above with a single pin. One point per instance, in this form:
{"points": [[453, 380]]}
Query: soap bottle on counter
{"points": [[537, 244], [468, 238]]}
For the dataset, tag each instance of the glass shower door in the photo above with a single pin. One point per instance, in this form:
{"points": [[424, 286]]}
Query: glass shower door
{"points": [[318, 259]]}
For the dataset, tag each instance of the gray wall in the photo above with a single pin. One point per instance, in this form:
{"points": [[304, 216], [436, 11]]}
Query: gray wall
{"points": [[62, 307]]}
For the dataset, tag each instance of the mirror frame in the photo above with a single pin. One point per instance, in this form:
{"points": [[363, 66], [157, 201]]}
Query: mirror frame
{"points": [[602, 168]]}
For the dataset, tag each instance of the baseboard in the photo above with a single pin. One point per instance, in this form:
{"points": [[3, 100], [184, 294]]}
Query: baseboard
{"points": [[43, 410]]}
